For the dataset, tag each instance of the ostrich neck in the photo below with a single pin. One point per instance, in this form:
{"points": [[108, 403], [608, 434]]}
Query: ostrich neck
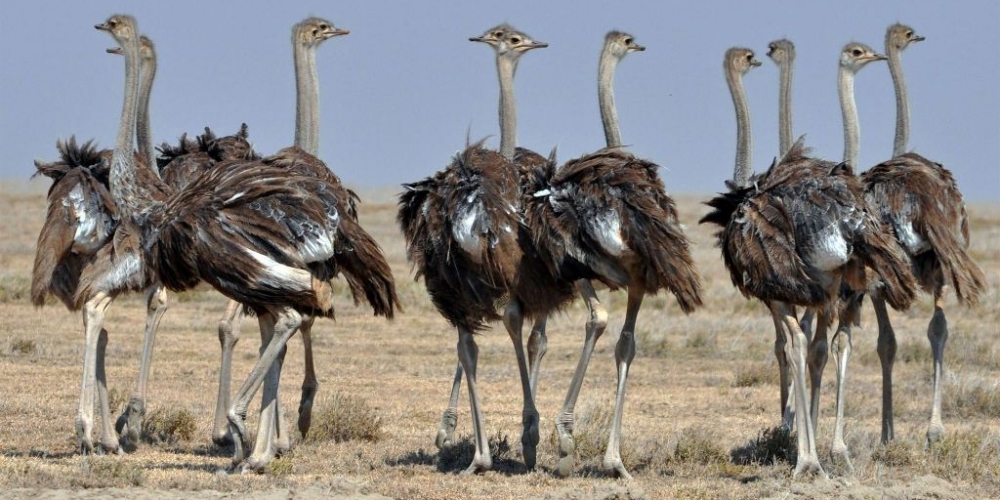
{"points": [[303, 94], [124, 186], [849, 109], [902, 102], [606, 98], [143, 133], [508, 108], [744, 141], [785, 107], [313, 103]]}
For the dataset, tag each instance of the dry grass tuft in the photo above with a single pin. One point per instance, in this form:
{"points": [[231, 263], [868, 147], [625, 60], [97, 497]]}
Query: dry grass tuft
{"points": [[897, 453], [281, 466], [699, 445], [23, 347], [14, 288], [972, 398], [771, 446], [967, 455], [104, 472], [756, 375], [169, 426], [345, 418], [459, 455]]}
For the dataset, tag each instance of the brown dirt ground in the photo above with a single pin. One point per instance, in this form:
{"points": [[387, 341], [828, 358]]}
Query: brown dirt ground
{"points": [[681, 390]]}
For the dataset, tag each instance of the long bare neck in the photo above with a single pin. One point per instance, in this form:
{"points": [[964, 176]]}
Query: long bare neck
{"points": [[303, 96], [744, 141], [785, 105], [313, 103], [606, 97], [902, 101], [143, 133], [849, 109], [508, 108], [124, 186]]}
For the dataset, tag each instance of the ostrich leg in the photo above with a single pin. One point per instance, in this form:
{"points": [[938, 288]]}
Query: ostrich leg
{"points": [[93, 321], [109, 439], [309, 386], [787, 410], [842, 344], [624, 354], [564, 422], [449, 419], [131, 418], [937, 334], [468, 355], [887, 355], [818, 355], [537, 347], [229, 335], [513, 319]]}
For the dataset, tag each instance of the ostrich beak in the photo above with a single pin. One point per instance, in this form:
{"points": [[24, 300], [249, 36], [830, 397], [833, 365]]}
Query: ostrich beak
{"points": [[103, 27], [115, 50], [919, 38]]}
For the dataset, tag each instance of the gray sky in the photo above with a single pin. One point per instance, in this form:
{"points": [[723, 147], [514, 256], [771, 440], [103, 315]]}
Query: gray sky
{"points": [[400, 91]]}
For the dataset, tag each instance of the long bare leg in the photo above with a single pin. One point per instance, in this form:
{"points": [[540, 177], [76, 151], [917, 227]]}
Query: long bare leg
{"points": [[468, 355], [842, 345], [808, 460], [283, 324], [513, 320], [229, 335], [156, 305], [937, 334], [109, 438], [624, 354], [93, 322], [538, 345], [887, 355], [564, 422], [449, 419], [787, 409], [309, 385], [267, 445], [819, 353]]}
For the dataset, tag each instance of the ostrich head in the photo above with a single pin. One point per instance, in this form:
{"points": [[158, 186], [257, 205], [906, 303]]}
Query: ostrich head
{"points": [[900, 36], [122, 27], [621, 44], [313, 31], [507, 41], [740, 60], [856, 55], [781, 51]]}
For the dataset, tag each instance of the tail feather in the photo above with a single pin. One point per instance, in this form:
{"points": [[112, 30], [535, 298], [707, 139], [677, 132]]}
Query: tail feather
{"points": [[883, 254], [365, 268], [956, 264]]}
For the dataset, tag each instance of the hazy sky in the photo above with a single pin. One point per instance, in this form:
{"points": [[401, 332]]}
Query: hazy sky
{"points": [[399, 92]]}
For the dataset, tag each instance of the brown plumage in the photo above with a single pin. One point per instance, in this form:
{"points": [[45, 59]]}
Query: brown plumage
{"points": [[774, 231], [180, 164], [920, 201], [604, 195]]}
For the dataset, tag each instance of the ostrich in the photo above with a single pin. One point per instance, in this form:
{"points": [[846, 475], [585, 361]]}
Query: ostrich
{"points": [[274, 229], [792, 235], [606, 217], [87, 259], [465, 237], [920, 200]]}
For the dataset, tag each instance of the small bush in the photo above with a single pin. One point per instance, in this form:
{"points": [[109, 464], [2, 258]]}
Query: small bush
{"points": [[459, 455], [896, 453], [768, 448], [756, 375], [345, 418], [23, 347], [972, 399], [281, 466], [168, 426], [117, 399], [109, 471], [699, 445], [971, 455]]}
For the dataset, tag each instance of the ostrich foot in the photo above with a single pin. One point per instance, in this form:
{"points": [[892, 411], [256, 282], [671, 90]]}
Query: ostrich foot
{"points": [[529, 438], [238, 430], [934, 434], [223, 438], [479, 464], [616, 468], [129, 424], [839, 453], [446, 431], [567, 448], [84, 441], [305, 410], [808, 466]]}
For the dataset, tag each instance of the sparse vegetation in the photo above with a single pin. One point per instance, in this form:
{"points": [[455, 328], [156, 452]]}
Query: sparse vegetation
{"points": [[14, 288], [103, 472], [23, 347], [699, 445], [771, 446], [169, 426], [345, 418], [756, 375]]}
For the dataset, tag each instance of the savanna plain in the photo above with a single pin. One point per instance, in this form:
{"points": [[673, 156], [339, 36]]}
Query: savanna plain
{"points": [[699, 421]]}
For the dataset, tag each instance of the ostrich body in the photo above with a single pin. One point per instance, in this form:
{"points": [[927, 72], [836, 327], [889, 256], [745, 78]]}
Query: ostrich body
{"points": [[86, 257], [260, 236], [920, 200], [466, 239], [791, 236], [606, 217]]}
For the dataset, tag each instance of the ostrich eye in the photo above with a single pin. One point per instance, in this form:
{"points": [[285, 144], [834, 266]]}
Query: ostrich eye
{"points": [[749, 57], [909, 34], [515, 40], [856, 52], [628, 41], [315, 31], [324, 26], [497, 34]]}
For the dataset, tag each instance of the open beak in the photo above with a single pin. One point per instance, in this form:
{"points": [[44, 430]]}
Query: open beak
{"points": [[755, 62], [638, 48]]}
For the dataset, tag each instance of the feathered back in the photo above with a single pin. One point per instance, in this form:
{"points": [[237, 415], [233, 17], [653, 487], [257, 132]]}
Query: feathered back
{"points": [[919, 199], [79, 220], [477, 196]]}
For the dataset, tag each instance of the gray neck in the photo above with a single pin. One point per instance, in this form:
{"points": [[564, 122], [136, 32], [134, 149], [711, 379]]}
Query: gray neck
{"points": [[124, 186], [508, 109], [313, 103], [785, 106], [303, 95], [849, 109], [606, 97], [902, 102], [744, 141], [143, 133]]}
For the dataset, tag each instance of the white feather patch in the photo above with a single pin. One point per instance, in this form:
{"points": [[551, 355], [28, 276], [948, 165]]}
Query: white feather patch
{"points": [[607, 230], [126, 272], [317, 249], [92, 226], [278, 275], [911, 239], [466, 232], [830, 251]]}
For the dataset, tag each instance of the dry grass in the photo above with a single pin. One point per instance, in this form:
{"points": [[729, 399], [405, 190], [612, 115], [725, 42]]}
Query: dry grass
{"points": [[701, 390]]}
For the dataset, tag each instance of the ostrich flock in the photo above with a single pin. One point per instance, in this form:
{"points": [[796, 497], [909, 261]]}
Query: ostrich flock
{"points": [[496, 235]]}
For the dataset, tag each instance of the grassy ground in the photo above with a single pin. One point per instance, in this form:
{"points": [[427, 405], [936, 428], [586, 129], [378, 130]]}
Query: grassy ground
{"points": [[702, 395]]}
